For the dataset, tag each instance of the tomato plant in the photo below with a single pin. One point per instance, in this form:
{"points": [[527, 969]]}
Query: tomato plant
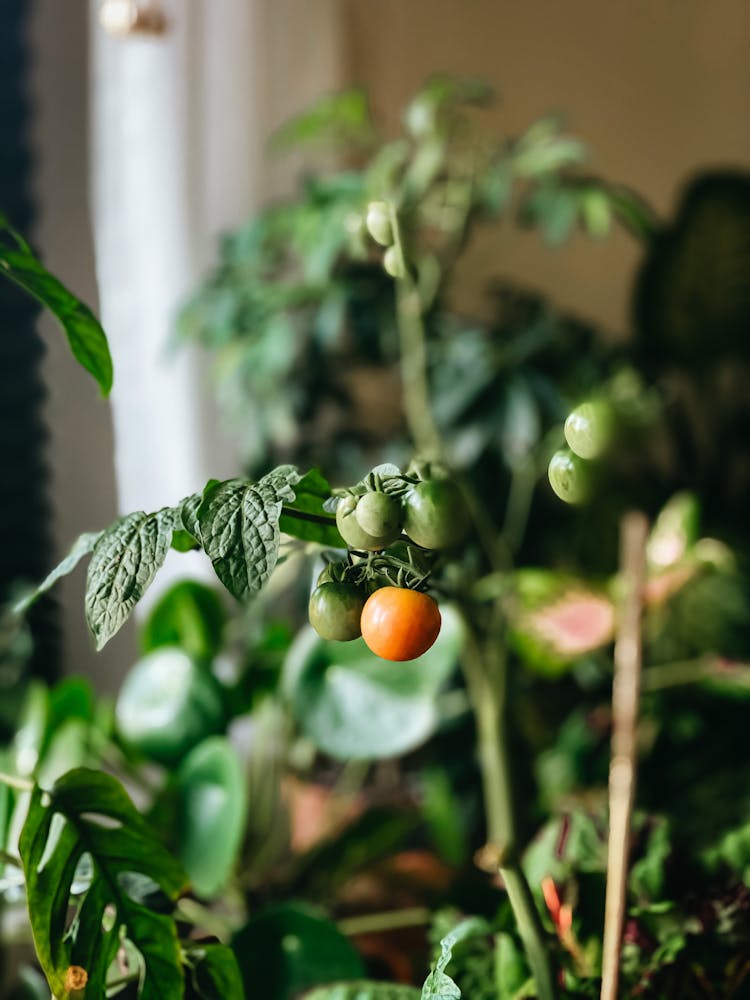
{"points": [[400, 624]]}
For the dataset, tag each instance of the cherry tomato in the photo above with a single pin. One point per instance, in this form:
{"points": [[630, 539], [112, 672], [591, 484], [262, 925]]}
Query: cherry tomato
{"points": [[588, 429], [400, 624], [378, 223], [393, 262], [380, 514], [569, 476], [335, 610], [435, 514], [352, 531]]}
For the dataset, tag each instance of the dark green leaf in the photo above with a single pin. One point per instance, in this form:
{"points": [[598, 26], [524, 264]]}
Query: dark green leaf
{"points": [[87, 340], [311, 492], [214, 974], [81, 547], [212, 812], [363, 989], [288, 948], [126, 558], [353, 705], [189, 615], [88, 812], [239, 528]]}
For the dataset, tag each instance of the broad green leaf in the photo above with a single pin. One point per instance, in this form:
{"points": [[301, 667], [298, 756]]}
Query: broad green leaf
{"points": [[83, 545], [439, 985], [213, 973], [168, 703], [353, 705], [239, 528], [510, 966], [125, 560], [289, 948], [311, 492], [211, 813], [88, 812], [364, 989], [189, 615], [335, 120], [87, 340]]}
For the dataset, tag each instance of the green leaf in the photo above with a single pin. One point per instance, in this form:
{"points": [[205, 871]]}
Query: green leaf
{"points": [[83, 545], [239, 528], [364, 989], [290, 947], [214, 973], [510, 966], [125, 560], [692, 303], [87, 340], [354, 705], [211, 813], [88, 812], [311, 492], [189, 615], [439, 985], [337, 119]]}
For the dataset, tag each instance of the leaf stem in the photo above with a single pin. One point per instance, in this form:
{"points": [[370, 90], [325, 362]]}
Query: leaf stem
{"points": [[303, 515], [390, 920], [10, 859], [14, 781]]}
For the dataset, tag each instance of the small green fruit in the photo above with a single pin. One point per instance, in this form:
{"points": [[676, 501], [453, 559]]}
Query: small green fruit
{"points": [[379, 223]]}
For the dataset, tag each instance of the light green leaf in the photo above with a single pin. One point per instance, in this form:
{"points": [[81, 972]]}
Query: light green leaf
{"points": [[88, 812], [239, 528], [125, 560], [211, 813], [354, 705], [190, 615], [87, 340], [439, 985], [81, 547]]}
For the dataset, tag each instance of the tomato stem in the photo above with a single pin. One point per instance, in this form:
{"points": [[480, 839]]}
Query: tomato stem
{"points": [[15, 781], [303, 515]]}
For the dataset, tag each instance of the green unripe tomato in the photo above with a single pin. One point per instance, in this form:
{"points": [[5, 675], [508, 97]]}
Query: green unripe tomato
{"points": [[569, 476], [588, 429], [380, 514], [393, 262], [378, 222], [352, 531], [435, 514], [335, 610], [168, 704]]}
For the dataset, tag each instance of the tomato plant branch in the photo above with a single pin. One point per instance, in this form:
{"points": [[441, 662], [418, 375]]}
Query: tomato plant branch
{"points": [[485, 669], [10, 859], [413, 350], [622, 770], [303, 515], [391, 920]]}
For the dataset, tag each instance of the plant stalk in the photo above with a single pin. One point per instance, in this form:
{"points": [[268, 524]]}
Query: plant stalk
{"points": [[14, 781]]}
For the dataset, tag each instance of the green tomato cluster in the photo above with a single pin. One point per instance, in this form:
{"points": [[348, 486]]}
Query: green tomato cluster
{"points": [[588, 433], [432, 513], [380, 227]]}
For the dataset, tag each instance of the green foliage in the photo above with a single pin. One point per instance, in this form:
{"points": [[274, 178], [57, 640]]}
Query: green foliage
{"points": [[290, 947], [353, 705], [189, 615], [211, 813], [85, 336], [364, 990], [239, 528], [87, 813], [439, 985]]}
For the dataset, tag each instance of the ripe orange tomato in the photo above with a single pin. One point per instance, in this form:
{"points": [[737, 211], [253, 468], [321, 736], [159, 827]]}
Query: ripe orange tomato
{"points": [[400, 624]]}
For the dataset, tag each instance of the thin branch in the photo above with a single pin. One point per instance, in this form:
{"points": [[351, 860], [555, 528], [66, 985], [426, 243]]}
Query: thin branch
{"points": [[622, 771], [14, 781], [302, 515]]}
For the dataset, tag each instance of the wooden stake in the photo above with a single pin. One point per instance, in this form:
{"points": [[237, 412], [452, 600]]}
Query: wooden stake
{"points": [[622, 770]]}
